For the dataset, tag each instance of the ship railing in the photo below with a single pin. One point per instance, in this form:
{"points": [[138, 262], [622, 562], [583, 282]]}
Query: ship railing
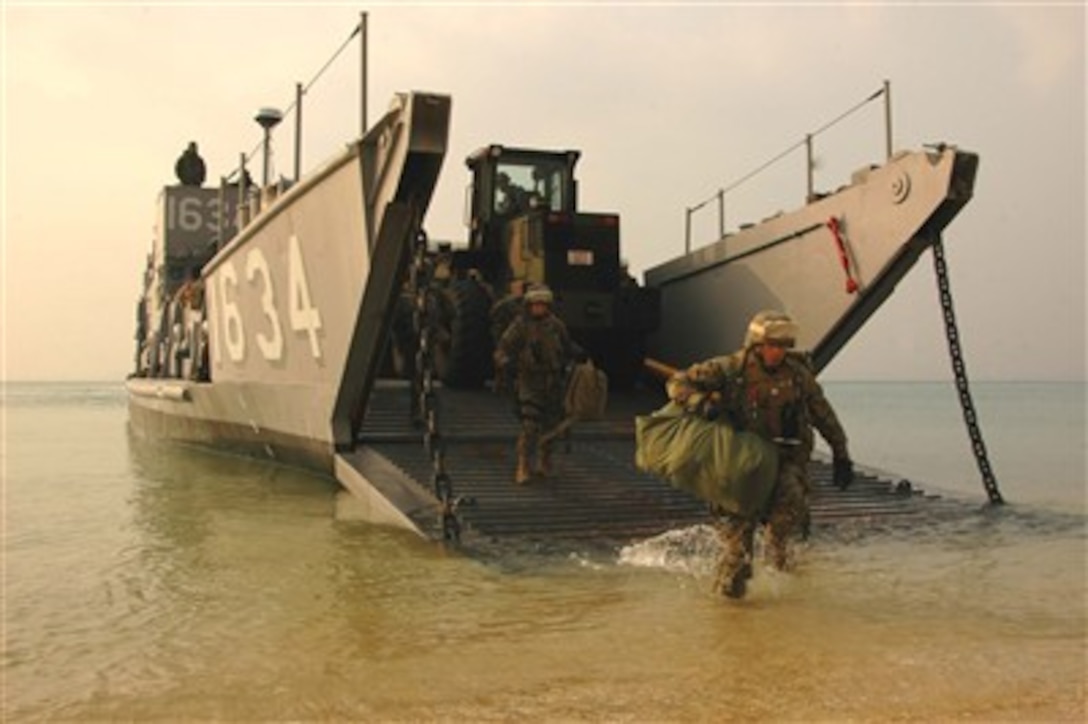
{"points": [[252, 198], [717, 199]]}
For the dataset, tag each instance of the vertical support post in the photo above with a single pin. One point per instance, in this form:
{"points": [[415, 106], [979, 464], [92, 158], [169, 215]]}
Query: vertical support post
{"points": [[243, 209], [266, 166], [220, 225], [298, 129], [721, 213], [362, 51], [687, 230], [888, 116], [808, 168]]}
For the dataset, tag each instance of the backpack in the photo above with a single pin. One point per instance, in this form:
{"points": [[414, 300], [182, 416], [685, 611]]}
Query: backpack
{"points": [[587, 392]]}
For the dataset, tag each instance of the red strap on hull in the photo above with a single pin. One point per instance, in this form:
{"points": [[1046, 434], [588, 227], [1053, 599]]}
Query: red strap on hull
{"points": [[851, 283]]}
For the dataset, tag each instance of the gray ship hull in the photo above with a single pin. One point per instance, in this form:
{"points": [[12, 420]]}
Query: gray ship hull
{"points": [[294, 319], [233, 417]]}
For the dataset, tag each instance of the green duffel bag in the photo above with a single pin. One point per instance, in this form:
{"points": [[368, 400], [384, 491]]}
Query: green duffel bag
{"points": [[732, 469]]}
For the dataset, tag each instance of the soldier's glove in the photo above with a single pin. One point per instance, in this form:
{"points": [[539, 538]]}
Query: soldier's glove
{"points": [[842, 472], [678, 389], [711, 407]]}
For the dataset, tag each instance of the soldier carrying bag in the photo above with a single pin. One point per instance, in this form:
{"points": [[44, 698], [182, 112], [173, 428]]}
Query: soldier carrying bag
{"points": [[732, 469], [585, 400], [587, 393]]}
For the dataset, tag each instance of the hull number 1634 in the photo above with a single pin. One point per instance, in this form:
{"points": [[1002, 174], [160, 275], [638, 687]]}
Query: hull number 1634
{"points": [[303, 317]]}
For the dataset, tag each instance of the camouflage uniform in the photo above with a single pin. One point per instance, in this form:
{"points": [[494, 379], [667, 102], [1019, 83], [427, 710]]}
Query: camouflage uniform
{"points": [[504, 312], [539, 350], [780, 404]]}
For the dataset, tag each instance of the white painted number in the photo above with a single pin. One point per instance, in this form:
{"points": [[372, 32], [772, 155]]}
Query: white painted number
{"points": [[232, 318], [191, 214], [271, 347], [185, 214], [302, 313]]}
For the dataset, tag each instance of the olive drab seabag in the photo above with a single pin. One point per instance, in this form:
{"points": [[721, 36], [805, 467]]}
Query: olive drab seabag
{"points": [[733, 469], [587, 393]]}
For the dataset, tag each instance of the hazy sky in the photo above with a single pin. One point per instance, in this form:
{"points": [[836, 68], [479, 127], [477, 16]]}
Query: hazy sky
{"points": [[667, 102]]}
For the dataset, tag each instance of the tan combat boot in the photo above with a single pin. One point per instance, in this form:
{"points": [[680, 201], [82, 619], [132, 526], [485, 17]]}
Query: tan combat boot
{"points": [[522, 475], [543, 461]]}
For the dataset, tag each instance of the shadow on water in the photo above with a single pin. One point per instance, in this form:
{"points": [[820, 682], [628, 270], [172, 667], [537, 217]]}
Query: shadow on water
{"points": [[181, 490]]}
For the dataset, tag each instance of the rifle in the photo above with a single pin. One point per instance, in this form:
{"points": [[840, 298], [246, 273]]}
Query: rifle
{"points": [[659, 369]]}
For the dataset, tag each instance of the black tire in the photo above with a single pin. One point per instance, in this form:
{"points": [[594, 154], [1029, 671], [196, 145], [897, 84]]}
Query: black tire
{"points": [[465, 359]]}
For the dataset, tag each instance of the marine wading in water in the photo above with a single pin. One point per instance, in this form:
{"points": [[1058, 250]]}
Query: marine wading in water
{"points": [[738, 433]]}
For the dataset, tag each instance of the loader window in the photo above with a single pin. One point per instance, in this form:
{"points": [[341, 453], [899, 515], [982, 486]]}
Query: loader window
{"points": [[512, 190], [524, 186]]}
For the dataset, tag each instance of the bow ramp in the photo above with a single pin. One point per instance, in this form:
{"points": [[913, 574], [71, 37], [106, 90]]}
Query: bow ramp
{"points": [[830, 263], [595, 495]]}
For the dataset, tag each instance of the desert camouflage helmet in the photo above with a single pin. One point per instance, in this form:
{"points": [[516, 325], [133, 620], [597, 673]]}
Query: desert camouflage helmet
{"points": [[771, 326], [539, 293]]}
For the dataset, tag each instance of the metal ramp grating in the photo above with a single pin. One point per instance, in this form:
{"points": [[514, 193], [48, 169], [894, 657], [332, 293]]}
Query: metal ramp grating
{"points": [[596, 492]]}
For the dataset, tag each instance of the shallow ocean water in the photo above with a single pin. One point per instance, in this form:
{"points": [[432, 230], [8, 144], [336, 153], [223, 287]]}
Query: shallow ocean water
{"points": [[149, 582]]}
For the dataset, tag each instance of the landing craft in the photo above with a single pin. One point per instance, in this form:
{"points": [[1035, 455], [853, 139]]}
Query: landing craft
{"points": [[278, 355], [267, 314]]}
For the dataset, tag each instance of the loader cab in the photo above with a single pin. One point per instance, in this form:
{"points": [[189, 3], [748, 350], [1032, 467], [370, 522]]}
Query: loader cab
{"points": [[516, 196], [525, 227], [511, 182]]}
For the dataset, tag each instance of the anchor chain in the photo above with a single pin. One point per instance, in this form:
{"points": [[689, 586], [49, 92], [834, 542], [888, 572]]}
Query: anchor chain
{"points": [[423, 399], [959, 368]]}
